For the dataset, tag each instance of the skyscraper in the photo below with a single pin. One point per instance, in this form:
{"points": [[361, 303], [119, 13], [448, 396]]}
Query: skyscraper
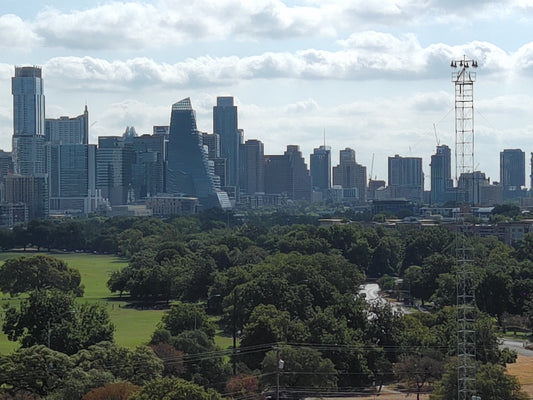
{"points": [[406, 179], [67, 130], [320, 164], [225, 124], [114, 160], [189, 170], [441, 176], [349, 174], [28, 121], [252, 167], [288, 174], [512, 171]]}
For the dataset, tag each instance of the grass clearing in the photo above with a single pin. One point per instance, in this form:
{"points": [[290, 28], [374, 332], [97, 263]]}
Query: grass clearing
{"points": [[133, 326]]}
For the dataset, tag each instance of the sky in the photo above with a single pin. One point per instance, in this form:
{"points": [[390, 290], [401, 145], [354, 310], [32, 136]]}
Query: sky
{"points": [[371, 75]]}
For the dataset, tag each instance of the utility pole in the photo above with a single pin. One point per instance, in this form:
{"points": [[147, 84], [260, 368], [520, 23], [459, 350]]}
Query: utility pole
{"points": [[234, 331], [277, 372]]}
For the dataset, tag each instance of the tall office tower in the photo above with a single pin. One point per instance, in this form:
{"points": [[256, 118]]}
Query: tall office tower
{"points": [[149, 167], [441, 175], [28, 121], [72, 177], [406, 179], [288, 174], [471, 185], [320, 163], [189, 170], [114, 160], [66, 130], [512, 172], [32, 191], [349, 174], [252, 167], [225, 124]]}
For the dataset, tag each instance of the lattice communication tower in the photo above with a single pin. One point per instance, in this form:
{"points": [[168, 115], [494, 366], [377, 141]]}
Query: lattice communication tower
{"points": [[463, 78]]}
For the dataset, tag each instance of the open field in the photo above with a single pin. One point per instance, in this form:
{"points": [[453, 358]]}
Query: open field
{"points": [[133, 326]]}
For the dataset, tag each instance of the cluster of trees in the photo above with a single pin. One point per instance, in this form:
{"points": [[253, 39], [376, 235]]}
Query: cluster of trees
{"points": [[286, 292]]}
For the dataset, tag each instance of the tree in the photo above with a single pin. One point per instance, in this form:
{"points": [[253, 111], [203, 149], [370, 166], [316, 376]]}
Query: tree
{"points": [[243, 385], [138, 365], [54, 318], [302, 367], [174, 389], [36, 369], [492, 383], [418, 370], [23, 274], [112, 391], [185, 316]]}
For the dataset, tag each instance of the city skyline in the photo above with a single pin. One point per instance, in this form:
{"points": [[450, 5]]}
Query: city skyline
{"points": [[295, 68]]}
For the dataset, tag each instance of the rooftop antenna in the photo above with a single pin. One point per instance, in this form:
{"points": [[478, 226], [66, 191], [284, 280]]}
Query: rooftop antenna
{"points": [[324, 137]]}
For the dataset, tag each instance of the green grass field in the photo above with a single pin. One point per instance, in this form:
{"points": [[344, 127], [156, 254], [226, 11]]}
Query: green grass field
{"points": [[133, 327]]}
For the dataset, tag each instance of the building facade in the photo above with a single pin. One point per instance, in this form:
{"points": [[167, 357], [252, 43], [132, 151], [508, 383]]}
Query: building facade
{"points": [[225, 124], [28, 121], [189, 171], [349, 174], [406, 179], [441, 176], [288, 175], [252, 167], [320, 164]]}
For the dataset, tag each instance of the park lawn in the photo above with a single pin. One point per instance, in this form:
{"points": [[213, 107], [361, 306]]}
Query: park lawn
{"points": [[133, 326]]}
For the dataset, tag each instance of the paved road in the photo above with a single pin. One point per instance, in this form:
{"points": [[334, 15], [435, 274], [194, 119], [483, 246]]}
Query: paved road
{"points": [[371, 292], [516, 345]]}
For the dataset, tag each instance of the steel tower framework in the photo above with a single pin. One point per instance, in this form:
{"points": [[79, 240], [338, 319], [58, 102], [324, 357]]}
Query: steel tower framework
{"points": [[463, 79]]}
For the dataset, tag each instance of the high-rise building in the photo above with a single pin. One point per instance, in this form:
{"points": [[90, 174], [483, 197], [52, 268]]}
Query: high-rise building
{"points": [[67, 130], [28, 121], [225, 124], [287, 174], [71, 171], [114, 160], [149, 167], [189, 171], [349, 174], [441, 176], [252, 167], [512, 172], [320, 164], [30, 190], [406, 179]]}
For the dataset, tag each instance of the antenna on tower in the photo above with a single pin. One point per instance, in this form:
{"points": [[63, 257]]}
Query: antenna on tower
{"points": [[436, 137], [324, 137]]}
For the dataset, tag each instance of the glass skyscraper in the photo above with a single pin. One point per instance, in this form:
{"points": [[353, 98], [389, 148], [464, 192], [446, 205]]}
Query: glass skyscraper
{"points": [[28, 121], [225, 124], [189, 170]]}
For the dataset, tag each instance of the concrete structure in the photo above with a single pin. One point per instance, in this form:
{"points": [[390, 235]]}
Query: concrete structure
{"points": [[164, 206], [441, 176]]}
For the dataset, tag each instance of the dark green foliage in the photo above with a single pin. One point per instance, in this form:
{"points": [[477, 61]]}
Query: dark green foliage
{"points": [[23, 274], [55, 316]]}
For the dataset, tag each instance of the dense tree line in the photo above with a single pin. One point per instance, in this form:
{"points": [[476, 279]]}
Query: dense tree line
{"points": [[286, 288]]}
